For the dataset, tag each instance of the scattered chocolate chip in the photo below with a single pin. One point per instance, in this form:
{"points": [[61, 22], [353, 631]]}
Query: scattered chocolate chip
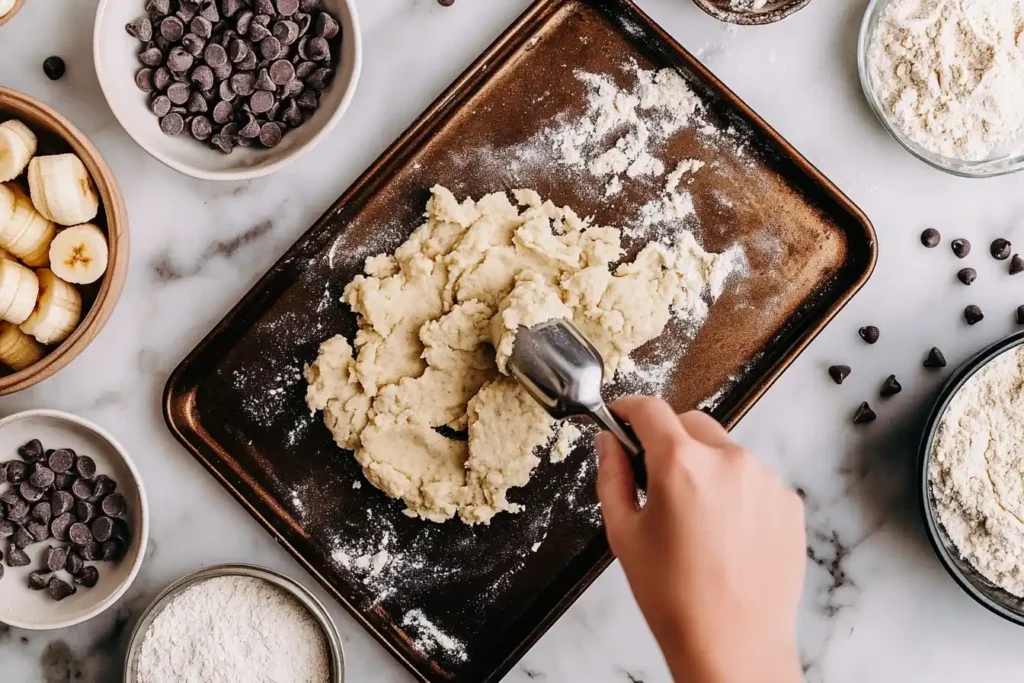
{"points": [[88, 577], [292, 88], [270, 48], [264, 82], [102, 529], [7, 528], [251, 129], [141, 28], [931, 238], [223, 112], [112, 551], [308, 99], [31, 452], [967, 276], [121, 532], [839, 373], [261, 102], [162, 78], [266, 8], [74, 564], [178, 93], [23, 538], [292, 115], [56, 558], [224, 91], [196, 104], [973, 315], [42, 511], [935, 359], [318, 49], [320, 78], [42, 476], [286, 31], [238, 50], [201, 27], [40, 532], [61, 502], [326, 26], [18, 512], [84, 465], [85, 511], [158, 6], [223, 143], [281, 71], [82, 488], [172, 29], [60, 525], [29, 492], [39, 579], [54, 68], [1001, 249], [869, 334], [144, 80], [179, 60], [270, 134], [60, 589], [286, 8], [961, 247], [17, 471], [61, 460], [864, 414], [1016, 265], [79, 534], [208, 10], [305, 69], [91, 552], [63, 481], [193, 45], [258, 31], [201, 128], [172, 124], [16, 557]]}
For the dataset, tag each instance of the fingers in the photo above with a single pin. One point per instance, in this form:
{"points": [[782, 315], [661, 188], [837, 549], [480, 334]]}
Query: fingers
{"points": [[653, 420], [615, 487], [705, 429]]}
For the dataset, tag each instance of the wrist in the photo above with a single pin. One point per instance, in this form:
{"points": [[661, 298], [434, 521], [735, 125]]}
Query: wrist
{"points": [[741, 660]]}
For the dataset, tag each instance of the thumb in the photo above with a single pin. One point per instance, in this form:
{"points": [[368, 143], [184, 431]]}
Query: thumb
{"points": [[615, 488]]}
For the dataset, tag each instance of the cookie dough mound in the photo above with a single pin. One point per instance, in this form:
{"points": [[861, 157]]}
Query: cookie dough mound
{"points": [[437, 322]]}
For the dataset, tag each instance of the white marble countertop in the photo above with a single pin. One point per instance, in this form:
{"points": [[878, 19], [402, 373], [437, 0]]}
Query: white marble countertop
{"points": [[877, 605]]}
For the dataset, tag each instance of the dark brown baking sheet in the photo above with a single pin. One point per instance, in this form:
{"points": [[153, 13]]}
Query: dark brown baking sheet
{"points": [[237, 401]]}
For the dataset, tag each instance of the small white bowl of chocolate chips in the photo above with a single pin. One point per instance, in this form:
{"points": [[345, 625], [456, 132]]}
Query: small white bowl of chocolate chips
{"points": [[74, 521], [227, 89]]}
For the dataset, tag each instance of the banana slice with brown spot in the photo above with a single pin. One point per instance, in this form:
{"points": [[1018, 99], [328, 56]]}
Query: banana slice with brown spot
{"points": [[17, 349], [62, 190], [79, 254]]}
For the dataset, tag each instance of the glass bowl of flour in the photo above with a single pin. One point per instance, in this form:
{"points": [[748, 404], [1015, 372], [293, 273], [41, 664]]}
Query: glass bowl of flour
{"points": [[971, 468], [946, 79], [231, 623]]}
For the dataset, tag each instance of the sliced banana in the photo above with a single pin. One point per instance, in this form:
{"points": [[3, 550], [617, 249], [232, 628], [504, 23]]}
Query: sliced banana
{"points": [[17, 349], [79, 254], [57, 311], [17, 145], [26, 234], [19, 288], [62, 190]]}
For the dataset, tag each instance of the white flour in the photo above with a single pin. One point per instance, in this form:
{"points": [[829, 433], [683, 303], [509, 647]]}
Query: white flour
{"points": [[951, 73], [230, 629], [430, 636], [977, 471]]}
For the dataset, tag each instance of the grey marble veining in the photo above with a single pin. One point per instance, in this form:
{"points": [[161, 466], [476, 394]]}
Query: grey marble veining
{"points": [[877, 606]]}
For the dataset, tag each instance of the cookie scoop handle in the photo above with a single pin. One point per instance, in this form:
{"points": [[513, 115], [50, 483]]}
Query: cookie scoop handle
{"points": [[624, 433]]}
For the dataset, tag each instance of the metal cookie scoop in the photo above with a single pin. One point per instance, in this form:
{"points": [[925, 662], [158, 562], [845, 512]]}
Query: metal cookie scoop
{"points": [[564, 372]]}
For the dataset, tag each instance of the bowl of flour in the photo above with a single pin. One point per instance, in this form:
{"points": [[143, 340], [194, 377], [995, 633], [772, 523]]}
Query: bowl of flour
{"points": [[232, 623], [946, 79], [972, 478]]}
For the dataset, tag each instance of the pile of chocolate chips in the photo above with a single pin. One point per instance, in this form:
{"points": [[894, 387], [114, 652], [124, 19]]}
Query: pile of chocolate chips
{"points": [[56, 495], [235, 73]]}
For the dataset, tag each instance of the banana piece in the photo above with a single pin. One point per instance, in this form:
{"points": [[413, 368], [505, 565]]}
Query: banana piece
{"points": [[17, 349], [62, 190], [57, 311], [17, 145], [79, 254], [19, 288], [26, 234], [5, 7]]}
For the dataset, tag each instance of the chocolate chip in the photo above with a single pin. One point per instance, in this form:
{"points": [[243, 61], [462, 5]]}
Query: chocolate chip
{"points": [[16, 557], [22, 538], [292, 88], [7, 528], [286, 8], [1016, 265], [869, 334], [446, 3], [225, 92], [1, 566], [258, 32], [162, 78], [305, 69], [187, 9], [42, 511], [82, 488], [178, 94], [973, 315], [266, 8], [54, 68], [935, 359], [193, 44], [320, 78], [251, 129], [74, 563], [261, 102], [318, 50], [230, 8], [249, 62], [39, 579], [121, 532], [309, 5], [60, 525], [144, 80], [270, 48], [158, 6], [243, 84], [292, 114], [201, 128], [79, 534], [931, 238], [270, 134], [85, 511], [197, 104], [161, 43], [172, 124], [88, 577], [102, 529], [63, 481], [172, 29], [223, 112], [263, 82], [286, 31], [61, 502], [91, 552], [961, 247], [40, 532], [1001, 249], [42, 476], [244, 142], [56, 558], [201, 27], [839, 373], [208, 10], [31, 452], [1020, 315], [17, 472], [3, 473], [84, 465], [141, 28], [179, 60], [60, 589], [215, 55], [281, 71], [302, 45], [223, 71], [10, 497], [29, 492], [967, 276], [864, 414], [308, 99], [18, 512], [61, 460], [222, 142]]}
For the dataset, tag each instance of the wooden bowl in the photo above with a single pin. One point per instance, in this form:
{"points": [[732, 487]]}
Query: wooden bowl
{"points": [[57, 136], [18, 4]]}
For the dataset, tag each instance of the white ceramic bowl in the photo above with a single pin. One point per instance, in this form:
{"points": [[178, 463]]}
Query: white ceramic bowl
{"points": [[35, 610], [115, 53]]}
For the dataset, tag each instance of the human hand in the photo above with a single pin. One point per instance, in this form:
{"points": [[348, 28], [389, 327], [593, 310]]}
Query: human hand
{"points": [[716, 557]]}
